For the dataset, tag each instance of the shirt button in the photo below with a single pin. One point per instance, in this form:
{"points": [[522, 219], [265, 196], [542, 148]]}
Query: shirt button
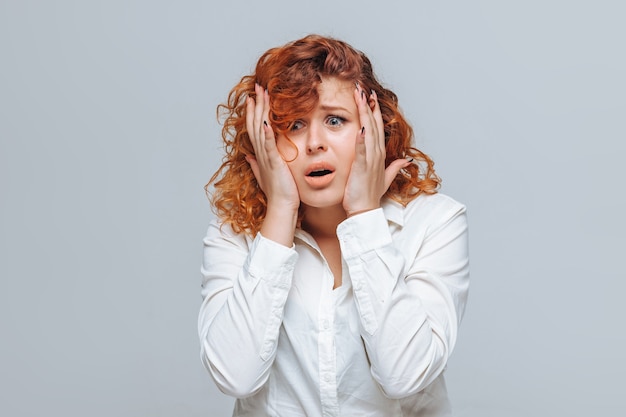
{"points": [[325, 324]]}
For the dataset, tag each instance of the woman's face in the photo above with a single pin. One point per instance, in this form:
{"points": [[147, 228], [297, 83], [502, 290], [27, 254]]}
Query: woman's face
{"points": [[325, 139]]}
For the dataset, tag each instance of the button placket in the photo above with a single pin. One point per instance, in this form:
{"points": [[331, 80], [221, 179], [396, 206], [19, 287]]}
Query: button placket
{"points": [[326, 347]]}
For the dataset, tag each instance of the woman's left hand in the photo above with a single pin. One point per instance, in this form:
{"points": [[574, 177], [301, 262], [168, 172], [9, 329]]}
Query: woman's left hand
{"points": [[369, 180]]}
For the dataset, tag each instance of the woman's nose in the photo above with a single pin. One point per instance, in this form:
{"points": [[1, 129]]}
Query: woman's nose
{"points": [[316, 141]]}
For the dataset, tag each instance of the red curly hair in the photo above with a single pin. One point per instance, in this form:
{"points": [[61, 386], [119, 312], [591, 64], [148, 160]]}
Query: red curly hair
{"points": [[291, 74]]}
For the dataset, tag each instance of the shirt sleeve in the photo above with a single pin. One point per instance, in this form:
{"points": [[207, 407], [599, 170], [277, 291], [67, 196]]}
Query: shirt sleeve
{"points": [[410, 293], [245, 286]]}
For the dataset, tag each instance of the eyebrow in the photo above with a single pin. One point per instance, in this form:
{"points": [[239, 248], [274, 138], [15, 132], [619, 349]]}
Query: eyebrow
{"points": [[327, 107]]}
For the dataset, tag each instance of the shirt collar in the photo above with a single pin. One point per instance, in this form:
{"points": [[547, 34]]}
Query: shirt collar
{"points": [[393, 211]]}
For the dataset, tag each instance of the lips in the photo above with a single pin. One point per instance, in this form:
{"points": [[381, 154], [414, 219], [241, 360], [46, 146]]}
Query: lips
{"points": [[319, 169], [319, 174]]}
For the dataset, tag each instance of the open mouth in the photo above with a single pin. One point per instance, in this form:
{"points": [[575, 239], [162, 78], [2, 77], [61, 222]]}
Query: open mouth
{"points": [[319, 173]]}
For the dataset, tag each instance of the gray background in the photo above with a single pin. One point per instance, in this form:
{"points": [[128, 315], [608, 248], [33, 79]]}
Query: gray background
{"points": [[108, 135]]}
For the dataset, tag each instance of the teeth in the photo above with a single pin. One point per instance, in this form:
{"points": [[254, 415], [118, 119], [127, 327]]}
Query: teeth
{"points": [[320, 173]]}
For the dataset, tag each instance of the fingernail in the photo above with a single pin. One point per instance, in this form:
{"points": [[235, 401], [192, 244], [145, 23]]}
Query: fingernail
{"points": [[265, 122], [363, 130], [409, 159]]}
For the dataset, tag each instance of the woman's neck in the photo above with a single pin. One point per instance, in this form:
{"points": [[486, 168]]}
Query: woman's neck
{"points": [[323, 222]]}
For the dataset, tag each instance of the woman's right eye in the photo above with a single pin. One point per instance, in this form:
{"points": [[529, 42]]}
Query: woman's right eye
{"points": [[297, 125]]}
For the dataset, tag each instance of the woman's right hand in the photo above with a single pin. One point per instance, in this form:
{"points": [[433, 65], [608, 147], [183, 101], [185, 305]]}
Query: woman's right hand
{"points": [[271, 172]]}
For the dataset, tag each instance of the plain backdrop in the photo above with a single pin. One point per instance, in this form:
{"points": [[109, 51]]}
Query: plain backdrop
{"points": [[108, 135]]}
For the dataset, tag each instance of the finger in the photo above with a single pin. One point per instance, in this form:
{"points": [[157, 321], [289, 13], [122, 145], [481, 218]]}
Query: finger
{"points": [[392, 170], [362, 108], [254, 165], [258, 113], [359, 145], [269, 144], [361, 97], [250, 121], [268, 133], [258, 108], [377, 115], [359, 148], [367, 120]]}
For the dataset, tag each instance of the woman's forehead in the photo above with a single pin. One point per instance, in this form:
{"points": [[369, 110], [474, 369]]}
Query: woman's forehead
{"points": [[333, 89]]}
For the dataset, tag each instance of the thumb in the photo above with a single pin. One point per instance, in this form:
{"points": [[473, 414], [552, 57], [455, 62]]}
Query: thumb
{"points": [[392, 170]]}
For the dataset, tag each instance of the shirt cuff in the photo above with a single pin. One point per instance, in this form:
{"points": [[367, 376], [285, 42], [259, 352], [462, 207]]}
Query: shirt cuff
{"points": [[272, 262], [363, 233]]}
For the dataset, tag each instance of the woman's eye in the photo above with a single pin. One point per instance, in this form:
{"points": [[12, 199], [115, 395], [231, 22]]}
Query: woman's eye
{"points": [[335, 120], [297, 125]]}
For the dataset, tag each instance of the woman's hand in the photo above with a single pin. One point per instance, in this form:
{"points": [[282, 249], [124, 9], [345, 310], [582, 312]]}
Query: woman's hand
{"points": [[271, 172], [369, 180]]}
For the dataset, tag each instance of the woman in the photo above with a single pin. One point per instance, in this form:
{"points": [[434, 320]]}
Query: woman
{"points": [[335, 277]]}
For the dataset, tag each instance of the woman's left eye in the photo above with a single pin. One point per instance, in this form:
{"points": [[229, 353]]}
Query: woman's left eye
{"points": [[335, 120]]}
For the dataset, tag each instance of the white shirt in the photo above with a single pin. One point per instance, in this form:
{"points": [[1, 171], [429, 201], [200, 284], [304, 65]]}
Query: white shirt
{"points": [[275, 335]]}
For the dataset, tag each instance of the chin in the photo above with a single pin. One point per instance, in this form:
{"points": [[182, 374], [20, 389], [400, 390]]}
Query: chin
{"points": [[327, 197], [322, 202]]}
